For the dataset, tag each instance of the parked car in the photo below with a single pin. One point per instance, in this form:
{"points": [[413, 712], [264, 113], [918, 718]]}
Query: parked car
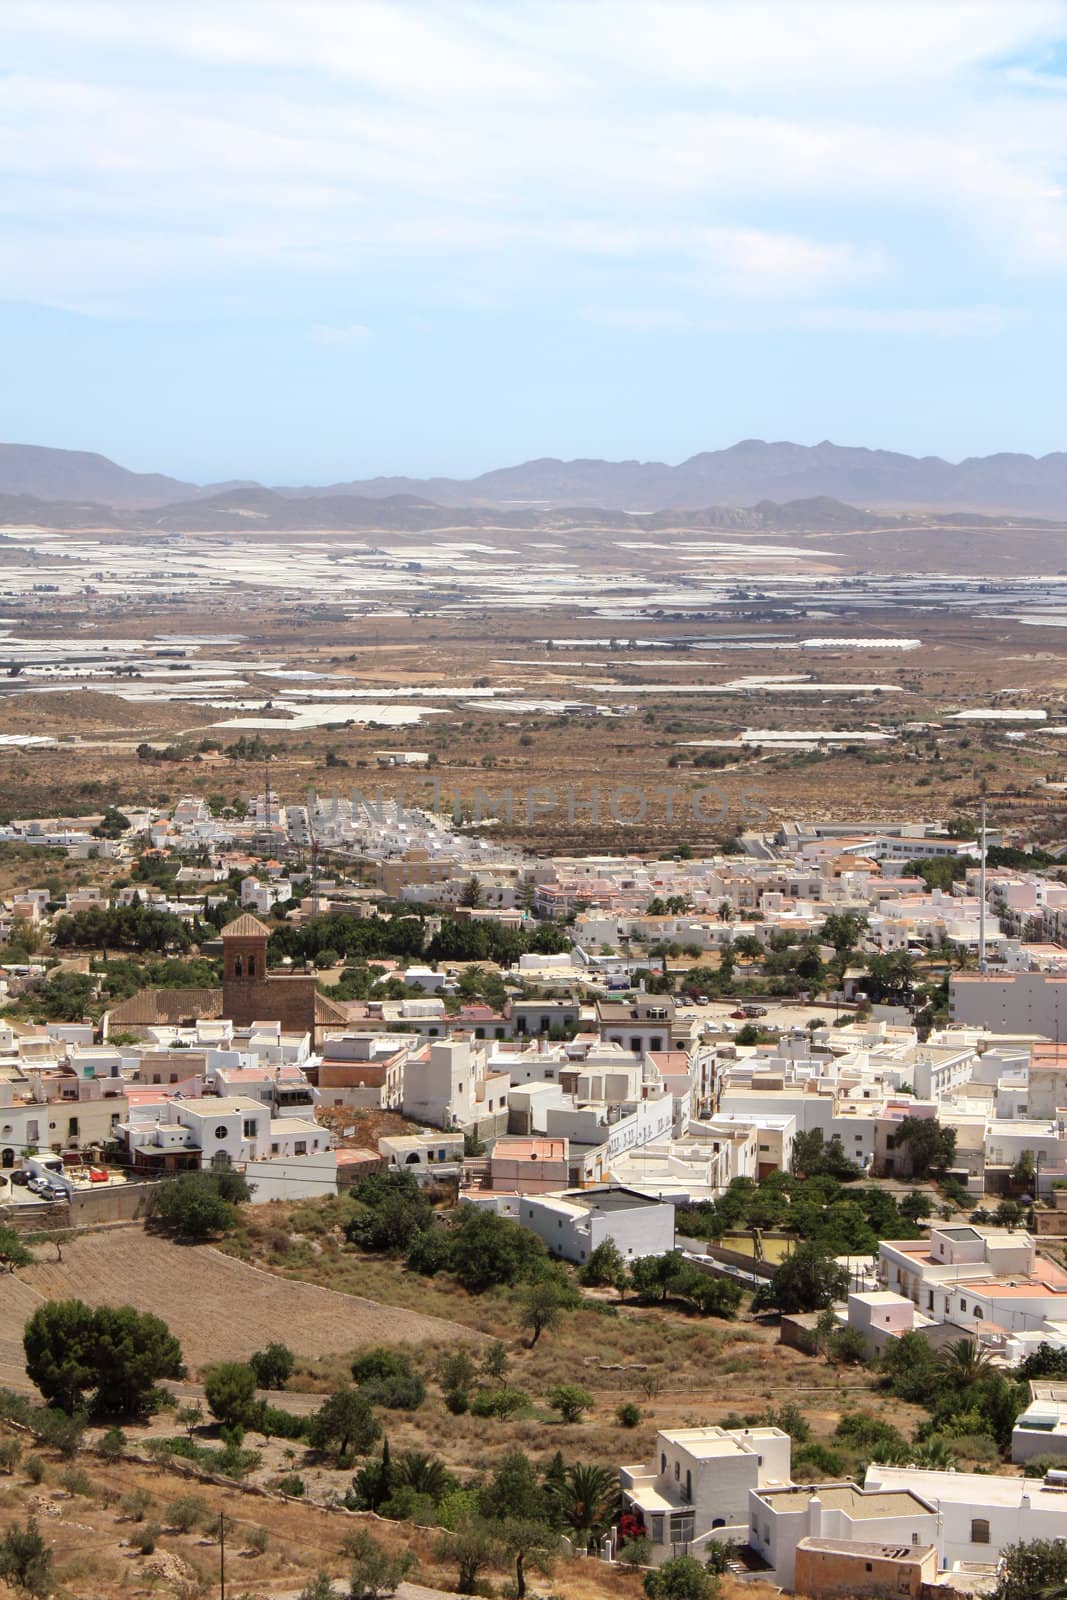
{"points": [[21, 1178], [740, 1013], [41, 1189], [755, 1011]]}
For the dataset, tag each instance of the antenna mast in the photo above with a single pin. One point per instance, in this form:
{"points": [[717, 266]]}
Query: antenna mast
{"points": [[981, 884]]}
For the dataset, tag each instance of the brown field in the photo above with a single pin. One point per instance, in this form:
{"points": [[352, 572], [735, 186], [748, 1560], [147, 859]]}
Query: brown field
{"points": [[219, 1308]]}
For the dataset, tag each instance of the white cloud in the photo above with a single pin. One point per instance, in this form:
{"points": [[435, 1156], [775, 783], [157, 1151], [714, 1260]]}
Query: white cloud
{"points": [[727, 145], [941, 322], [354, 333], [754, 261]]}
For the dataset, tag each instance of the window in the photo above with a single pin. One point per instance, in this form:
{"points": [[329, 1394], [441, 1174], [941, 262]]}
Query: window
{"points": [[677, 1470], [274, 1148], [869, 1566], [72, 1127], [979, 1530], [251, 1127], [682, 1525], [301, 1147], [663, 1463], [657, 1529], [222, 1131]]}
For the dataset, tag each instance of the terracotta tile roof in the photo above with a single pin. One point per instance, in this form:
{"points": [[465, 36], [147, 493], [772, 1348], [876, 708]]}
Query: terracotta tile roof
{"points": [[245, 926], [328, 1011], [157, 1007]]}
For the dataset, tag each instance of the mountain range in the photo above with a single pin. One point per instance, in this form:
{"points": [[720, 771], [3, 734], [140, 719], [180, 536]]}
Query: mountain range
{"points": [[741, 476]]}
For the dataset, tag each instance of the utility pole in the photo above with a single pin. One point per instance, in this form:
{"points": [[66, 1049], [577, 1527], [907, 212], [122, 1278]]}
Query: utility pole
{"points": [[981, 885], [222, 1555]]}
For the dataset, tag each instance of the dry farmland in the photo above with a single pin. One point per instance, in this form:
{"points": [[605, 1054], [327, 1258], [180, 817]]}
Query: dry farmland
{"points": [[220, 1309]]}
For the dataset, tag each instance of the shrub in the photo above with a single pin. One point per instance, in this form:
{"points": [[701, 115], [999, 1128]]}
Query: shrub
{"points": [[258, 1539], [76, 1481], [230, 1391], [375, 1571], [34, 1469], [10, 1453], [273, 1423], [628, 1415], [680, 1578], [500, 1403], [634, 1553], [112, 1444], [571, 1401], [26, 1561], [457, 1402], [135, 1504], [273, 1366], [847, 1346], [292, 1484], [144, 1538], [58, 1431], [189, 1512], [385, 1378]]}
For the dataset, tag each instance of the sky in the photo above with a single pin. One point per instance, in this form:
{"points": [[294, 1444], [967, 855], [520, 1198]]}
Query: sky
{"points": [[310, 240]]}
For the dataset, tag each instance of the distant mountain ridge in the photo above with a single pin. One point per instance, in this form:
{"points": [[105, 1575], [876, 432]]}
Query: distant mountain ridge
{"points": [[1013, 485], [255, 509], [741, 476]]}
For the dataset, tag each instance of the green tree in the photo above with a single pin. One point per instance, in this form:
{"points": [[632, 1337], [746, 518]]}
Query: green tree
{"points": [[587, 1499], [13, 1252], [680, 1578], [192, 1207], [964, 1362], [487, 1250], [396, 1212], [1036, 1567], [542, 1301], [930, 1147], [472, 1546], [525, 1540], [807, 1280], [230, 1391], [375, 1571], [273, 1366], [571, 1401], [26, 1561], [344, 1424], [516, 1491], [131, 1351], [113, 1355], [605, 1268]]}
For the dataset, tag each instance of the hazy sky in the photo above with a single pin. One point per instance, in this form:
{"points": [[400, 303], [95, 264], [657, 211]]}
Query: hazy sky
{"points": [[304, 240]]}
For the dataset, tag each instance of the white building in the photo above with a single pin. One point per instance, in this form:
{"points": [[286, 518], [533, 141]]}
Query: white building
{"points": [[978, 1515], [780, 1518], [697, 1486], [573, 1222]]}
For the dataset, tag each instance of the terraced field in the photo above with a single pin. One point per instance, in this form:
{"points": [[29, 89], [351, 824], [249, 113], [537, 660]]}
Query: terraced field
{"points": [[219, 1308]]}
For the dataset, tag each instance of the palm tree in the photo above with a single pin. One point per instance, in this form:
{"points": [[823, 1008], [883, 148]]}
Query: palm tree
{"points": [[964, 1362], [588, 1498], [932, 1456], [423, 1473]]}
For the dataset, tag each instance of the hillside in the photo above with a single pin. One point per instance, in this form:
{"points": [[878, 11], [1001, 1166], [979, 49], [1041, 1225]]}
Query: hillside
{"points": [[745, 474], [755, 470]]}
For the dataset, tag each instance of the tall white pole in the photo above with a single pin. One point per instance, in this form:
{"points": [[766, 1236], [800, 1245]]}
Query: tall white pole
{"points": [[981, 891]]}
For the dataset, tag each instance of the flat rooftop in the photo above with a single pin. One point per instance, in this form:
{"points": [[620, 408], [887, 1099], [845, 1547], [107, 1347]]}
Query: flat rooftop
{"points": [[849, 1497]]}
